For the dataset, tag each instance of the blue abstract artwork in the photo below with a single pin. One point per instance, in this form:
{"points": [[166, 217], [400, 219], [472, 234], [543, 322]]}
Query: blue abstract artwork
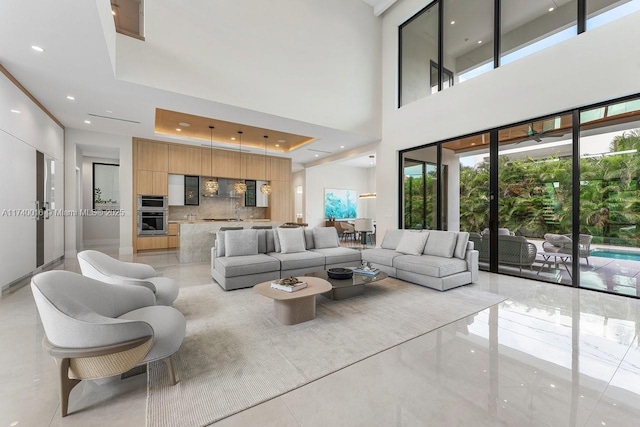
{"points": [[340, 204]]}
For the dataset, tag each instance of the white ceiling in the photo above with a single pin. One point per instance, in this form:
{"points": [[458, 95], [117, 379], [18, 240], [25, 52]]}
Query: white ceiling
{"points": [[77, 62]]}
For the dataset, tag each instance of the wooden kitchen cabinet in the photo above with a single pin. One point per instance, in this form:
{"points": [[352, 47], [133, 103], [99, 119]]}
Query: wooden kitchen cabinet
{"points": [[184, 160], [280, 202], [226, 164], [279, 169], [152, 182], [173, 233], [152, 156], [156, 242], [253, 166]]}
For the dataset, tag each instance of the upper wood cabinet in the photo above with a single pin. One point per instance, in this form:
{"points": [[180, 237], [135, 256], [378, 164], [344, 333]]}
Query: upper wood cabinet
{"points": [[279, 169], [205, 162], [226, 164], [152, 156], [184, 160], [253, 166], [151, 182]]}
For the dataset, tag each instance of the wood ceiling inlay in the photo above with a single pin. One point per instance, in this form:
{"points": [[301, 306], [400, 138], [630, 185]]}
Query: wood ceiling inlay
{"points": [[168, 121]]}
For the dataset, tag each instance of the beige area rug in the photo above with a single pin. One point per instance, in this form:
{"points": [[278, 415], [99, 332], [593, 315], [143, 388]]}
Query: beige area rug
{"points": [[237, 355]]}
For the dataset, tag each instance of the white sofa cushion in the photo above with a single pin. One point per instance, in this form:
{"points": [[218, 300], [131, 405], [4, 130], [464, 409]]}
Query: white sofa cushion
{"points": [[461, 245], [298, 260], [291, 240], [380, 256], [240, 243], [558, 240], [392, 239], [340, 255], [325, 237], [412, 243], [441, 243], [250, 264], [429, 265]]}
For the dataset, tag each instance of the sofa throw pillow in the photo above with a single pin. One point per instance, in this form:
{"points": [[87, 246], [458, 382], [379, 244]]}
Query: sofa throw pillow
{"points": [[558, 240], [308, 237], [325, 237], [391, 239], [461, 245], [220, 244], [240, 242], [441, 243], [412, 243], [276, 241], [291, 240]]}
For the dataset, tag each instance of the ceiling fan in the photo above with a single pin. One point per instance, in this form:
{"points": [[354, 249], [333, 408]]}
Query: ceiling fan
{"points": [[531, 134]]}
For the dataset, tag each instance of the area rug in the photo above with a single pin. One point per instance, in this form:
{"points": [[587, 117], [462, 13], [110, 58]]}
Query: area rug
{"points": [[236, 355]]}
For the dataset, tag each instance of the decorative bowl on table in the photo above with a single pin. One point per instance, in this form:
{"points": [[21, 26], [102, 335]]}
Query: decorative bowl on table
{"points": [[340, 273]]}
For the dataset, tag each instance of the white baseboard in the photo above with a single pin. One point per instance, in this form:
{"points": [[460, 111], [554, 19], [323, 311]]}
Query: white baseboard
{"points": [[100, 242]]}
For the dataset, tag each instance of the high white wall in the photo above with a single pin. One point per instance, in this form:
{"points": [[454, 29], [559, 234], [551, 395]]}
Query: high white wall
{"points": [[595, 66], [317, 61], [334, 176], [83, 138], [21, 135], [97, 230]]}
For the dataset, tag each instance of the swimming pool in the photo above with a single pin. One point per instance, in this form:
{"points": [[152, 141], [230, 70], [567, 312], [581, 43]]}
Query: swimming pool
{"points": [[616, 254]]}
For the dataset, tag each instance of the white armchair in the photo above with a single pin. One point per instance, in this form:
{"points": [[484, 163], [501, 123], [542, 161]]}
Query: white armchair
{"points": [[102, 267], [97, 330]]}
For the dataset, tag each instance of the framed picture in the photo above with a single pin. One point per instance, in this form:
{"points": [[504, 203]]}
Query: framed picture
{"points": [[340, 203]]}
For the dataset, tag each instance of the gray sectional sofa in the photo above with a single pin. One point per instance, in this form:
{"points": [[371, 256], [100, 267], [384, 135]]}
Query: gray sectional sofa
{"points": [[436, 259], [244, 258]]}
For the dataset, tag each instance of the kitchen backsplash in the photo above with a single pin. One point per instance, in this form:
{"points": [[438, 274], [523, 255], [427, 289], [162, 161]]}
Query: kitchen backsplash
{"points": [[221, 207]]}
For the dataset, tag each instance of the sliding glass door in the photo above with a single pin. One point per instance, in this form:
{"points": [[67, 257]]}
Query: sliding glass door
{"points": [[534, 199], [610, 198], [420, 189]]}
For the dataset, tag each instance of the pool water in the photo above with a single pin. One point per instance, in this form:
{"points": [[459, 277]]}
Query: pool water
{"points": [[612, 253]]}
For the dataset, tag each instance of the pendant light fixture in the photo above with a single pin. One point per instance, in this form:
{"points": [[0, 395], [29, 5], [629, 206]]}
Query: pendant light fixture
{"points": [[265, 188], [240, 187], [210, 185]]}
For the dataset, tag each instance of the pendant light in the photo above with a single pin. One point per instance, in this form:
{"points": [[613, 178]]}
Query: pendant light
{"points": [[265, 188], [210, 185], [240, 187]]}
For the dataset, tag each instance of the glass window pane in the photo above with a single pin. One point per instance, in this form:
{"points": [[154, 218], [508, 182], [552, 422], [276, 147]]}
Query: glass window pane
{"points": [[468, 39], [530, 26], [600, 12], [534, 199], [610, 200], [419, 47], [420, 188], [467, 202]]}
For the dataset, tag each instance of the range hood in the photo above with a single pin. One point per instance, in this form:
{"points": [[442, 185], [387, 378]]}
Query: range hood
{"points": [[225, 189]]}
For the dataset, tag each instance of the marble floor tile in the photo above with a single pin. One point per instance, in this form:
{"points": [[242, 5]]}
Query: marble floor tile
{"points": [[548, 355]]}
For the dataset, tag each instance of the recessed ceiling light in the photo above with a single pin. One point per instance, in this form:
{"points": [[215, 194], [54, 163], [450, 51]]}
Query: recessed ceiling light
{"points": [[109, 111], [71, 98], [233, 138], [342, 146], [453, 22], [282, 140], [316, 155], [13, 424], [88, 122], [15, 111], [184, 124], [179, 130], [277, 145], [550, 9], [37, 48], [479, 41], [113, 12]]}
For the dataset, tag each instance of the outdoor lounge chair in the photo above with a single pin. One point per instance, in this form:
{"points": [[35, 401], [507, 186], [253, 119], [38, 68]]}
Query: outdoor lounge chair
{"points": [[512, 250], [562, 243]]}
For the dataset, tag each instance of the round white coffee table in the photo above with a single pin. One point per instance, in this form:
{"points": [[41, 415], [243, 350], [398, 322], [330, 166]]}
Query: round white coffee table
{"points": [[291, 308]]}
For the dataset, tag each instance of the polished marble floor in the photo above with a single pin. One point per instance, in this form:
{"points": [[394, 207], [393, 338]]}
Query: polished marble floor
{"points": [[547, 356]]}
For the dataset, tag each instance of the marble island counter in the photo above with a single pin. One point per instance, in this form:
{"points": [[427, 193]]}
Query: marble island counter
{"points": [[197, 237]]}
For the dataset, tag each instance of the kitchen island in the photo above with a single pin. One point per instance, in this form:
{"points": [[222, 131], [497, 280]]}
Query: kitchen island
{"points": [[196, 238]]}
